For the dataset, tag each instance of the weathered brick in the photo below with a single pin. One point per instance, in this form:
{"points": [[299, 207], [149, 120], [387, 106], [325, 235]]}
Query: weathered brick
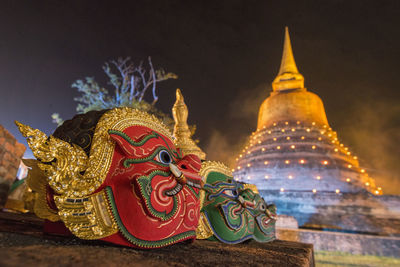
{"points": [[3, 171], [9, 147], [19, 150], [8, 157]]}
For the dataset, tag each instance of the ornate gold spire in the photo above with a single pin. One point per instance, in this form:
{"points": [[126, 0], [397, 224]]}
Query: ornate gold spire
{"points": [[181, 129], [288, 76]]}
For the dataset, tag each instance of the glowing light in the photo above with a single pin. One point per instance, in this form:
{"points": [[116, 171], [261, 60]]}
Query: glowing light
{"points": [[298, 122], [262, 149], [266, 162], [333, 141], [319, 138], [239, 167], [329, 135], [283, 130], [302, 161], [367, 184], [336, 150], [379, 188], [240, 156], [274, 123], [348, 153], [348, 180], [292, 146], [362, 170], [237, 159], [341, 145], [322, 132], [290, 177], [318, 177], [313, 123], [288, 138], [274, 138], [377, 192], [233, 170], [313, 147], [248, 177], [346, 148], [325, 162], [308, 130], [282, 189], [302, 138], [269, 132], [259, 142], [293, 129], [355, 157], [287, 161], [324, 126], [337, 191], [248, 165], [266, 176], [314, 190], [249, 152], [278, 147], [286, 122], [349, 166]]}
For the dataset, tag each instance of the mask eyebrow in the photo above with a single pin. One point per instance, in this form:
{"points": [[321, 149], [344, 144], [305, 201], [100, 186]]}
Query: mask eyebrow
{"points": [[130, 140], [174, 152]]}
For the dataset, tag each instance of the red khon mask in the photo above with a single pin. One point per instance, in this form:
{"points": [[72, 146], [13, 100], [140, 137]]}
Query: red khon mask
{"points": [[129, 186]]}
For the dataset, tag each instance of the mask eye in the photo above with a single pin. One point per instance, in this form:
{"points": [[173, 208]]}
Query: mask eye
{"points": [[231, 193], [263, 207], [164, 157]]}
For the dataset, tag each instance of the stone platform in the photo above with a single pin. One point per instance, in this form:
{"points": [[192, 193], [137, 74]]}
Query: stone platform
{"points": [[22, 243]]}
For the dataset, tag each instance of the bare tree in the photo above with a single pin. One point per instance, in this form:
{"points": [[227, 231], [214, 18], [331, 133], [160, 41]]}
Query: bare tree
{"points": [[130, 84]]}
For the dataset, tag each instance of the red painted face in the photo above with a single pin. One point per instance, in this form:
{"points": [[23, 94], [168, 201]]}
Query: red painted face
{"points": [[152, 206]]}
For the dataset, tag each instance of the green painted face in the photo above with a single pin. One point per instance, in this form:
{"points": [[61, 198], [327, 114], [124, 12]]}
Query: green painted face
{"points": [[234, 212]]}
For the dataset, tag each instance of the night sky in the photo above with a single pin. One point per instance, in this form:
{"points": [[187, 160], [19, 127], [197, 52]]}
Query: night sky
{"points": [[226, 54]]}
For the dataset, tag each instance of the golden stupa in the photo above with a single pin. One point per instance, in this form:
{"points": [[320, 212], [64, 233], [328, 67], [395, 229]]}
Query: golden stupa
{"points": [[289, 100]]}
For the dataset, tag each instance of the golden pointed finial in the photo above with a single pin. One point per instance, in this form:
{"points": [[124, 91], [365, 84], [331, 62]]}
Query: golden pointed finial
{"points": [[288, 76], [182, 132], [287, 64]]}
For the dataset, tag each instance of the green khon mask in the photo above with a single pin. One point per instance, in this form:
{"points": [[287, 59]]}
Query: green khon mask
{"points": [[232, 212]]}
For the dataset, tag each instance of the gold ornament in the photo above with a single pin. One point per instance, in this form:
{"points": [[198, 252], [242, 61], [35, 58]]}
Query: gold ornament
{"points": [[88, 217], [182, 132], [36, 181]]}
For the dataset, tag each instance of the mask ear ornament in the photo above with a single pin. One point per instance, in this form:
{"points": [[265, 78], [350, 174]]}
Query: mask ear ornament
{"points": [[119, 187]]}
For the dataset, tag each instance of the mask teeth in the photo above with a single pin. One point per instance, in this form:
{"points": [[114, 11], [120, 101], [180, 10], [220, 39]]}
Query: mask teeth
{"points": [[175, 191]]}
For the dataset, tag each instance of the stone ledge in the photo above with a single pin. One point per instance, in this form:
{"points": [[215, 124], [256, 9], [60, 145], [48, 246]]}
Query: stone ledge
{"points": [[22, 243]]}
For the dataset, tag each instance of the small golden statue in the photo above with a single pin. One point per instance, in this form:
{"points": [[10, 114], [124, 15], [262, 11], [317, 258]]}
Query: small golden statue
{"points": [[182, 132]]}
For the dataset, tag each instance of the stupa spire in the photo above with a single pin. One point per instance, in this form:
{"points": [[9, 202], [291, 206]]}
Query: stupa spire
{"points": [[287, 64], [288, 76]]}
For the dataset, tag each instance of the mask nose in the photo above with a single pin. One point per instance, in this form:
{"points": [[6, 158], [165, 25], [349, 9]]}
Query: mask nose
{"points": [[186, 177], [179, 176]]}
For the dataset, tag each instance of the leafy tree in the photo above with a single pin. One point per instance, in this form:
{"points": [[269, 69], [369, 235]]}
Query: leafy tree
{"points": [[129, 82]]}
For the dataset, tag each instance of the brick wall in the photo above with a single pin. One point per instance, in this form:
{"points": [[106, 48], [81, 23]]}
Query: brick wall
{"points": [[11, 153]]}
